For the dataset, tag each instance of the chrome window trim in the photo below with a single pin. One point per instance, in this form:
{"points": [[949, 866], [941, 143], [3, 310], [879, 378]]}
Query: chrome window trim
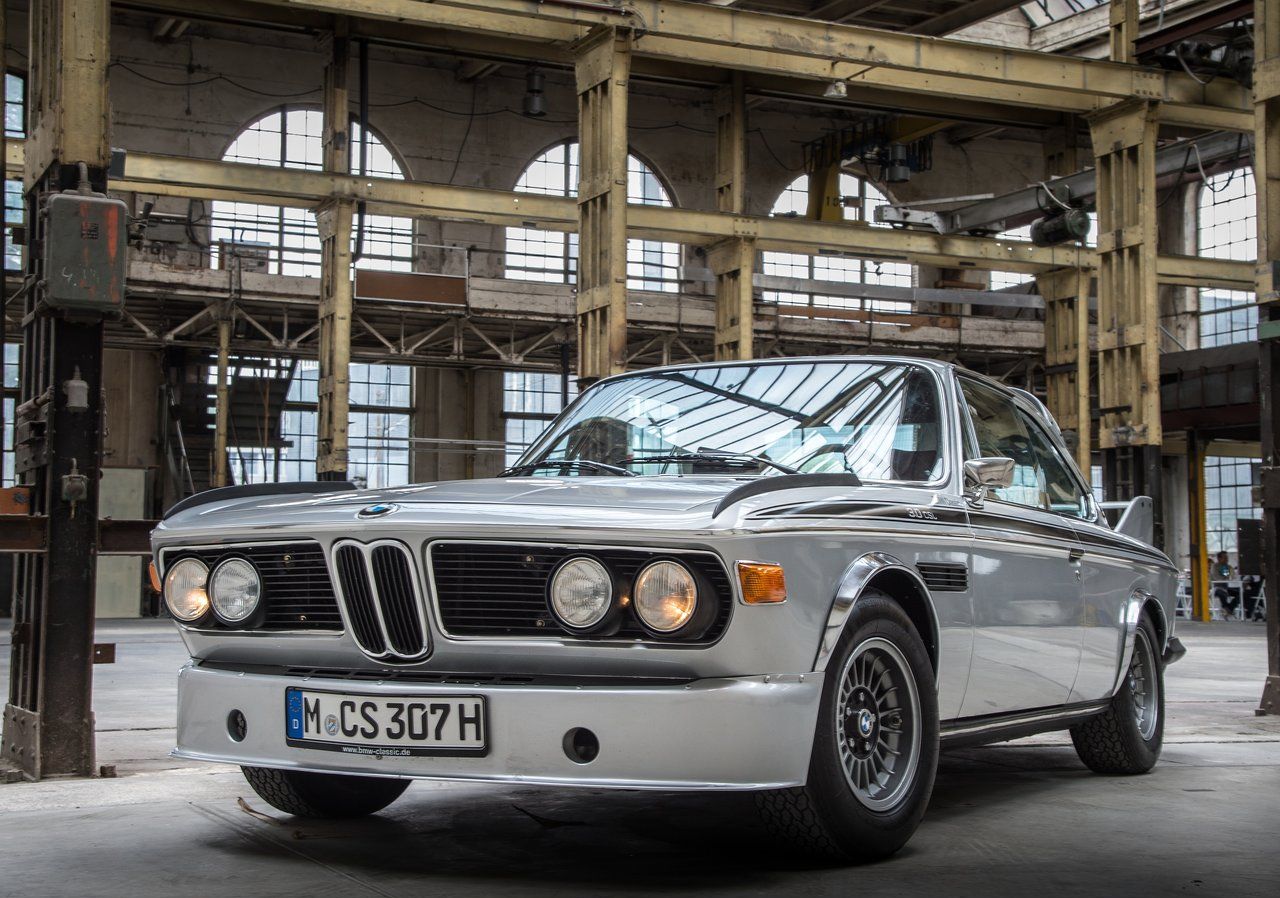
{"points": [[259, 632], [735, 593], [1065, 459], [366, 549]]}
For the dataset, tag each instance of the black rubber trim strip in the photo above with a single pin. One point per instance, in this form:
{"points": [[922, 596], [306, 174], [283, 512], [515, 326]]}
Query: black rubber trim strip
{"points": [[249, 490], [1174, 651], [784, 482], [990, 728]]}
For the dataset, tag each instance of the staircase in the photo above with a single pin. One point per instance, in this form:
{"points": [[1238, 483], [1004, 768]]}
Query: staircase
{"points": [[257, 390]]}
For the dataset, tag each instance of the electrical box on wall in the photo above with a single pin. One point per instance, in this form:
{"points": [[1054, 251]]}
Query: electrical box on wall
{"points": [[85, 253]]}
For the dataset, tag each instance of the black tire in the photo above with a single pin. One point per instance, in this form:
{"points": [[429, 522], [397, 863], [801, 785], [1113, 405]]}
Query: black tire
{"points": [[323, 795], [826, 817], [1121, 741]]}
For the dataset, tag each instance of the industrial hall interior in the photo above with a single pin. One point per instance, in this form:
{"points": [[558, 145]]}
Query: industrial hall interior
{"points": [[414, 251]]}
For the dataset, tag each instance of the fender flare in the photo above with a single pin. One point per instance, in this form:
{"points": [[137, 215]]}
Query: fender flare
{"points": [[853, 583], [1131, 613]]}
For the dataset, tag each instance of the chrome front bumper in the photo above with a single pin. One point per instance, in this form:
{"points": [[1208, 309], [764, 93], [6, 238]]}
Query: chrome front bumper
{"points": [[737, 733]]}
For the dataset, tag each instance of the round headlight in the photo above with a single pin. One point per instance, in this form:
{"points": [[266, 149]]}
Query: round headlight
{"points": [[184, 589], [235, 589], [581, 593], [666, 596]]}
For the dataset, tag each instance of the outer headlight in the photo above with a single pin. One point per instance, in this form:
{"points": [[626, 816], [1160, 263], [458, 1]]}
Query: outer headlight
{"points": [[581, 593], [184, 589], [235, 589], [666, 596]]}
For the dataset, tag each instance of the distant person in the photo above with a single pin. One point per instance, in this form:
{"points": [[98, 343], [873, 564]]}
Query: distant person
{"points": [[1227, 597], [1222, 567]]}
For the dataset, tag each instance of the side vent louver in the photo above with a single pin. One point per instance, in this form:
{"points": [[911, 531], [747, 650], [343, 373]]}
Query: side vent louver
{"points": [[382, 600], [943, 577]]}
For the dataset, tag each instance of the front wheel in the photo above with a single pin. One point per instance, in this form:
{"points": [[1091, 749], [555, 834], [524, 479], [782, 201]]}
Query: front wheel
{"points": [[323, 795], [875, 750], [1126, 738]]}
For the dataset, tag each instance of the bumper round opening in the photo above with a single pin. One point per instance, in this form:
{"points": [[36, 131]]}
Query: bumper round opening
{"points": [[237, 725], [581, 745]]}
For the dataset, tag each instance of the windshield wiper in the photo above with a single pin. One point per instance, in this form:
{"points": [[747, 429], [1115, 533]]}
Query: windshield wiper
{"points": [[710, 455], [530, 467]]}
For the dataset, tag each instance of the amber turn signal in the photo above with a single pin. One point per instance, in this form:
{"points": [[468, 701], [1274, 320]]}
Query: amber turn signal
{"points": [[762, 583], [155, 576]]}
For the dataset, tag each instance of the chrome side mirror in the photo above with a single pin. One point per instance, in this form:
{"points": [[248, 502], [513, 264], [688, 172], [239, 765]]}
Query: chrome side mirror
{"points": [[984, 474]]}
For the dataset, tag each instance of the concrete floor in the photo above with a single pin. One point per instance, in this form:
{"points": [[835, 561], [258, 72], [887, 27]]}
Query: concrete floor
{"points": [[1005, 820]]}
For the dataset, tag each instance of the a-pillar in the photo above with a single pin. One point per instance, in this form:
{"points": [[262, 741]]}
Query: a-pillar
{"points": [[1129, 431], [603, 67], [334, 221], [1266, 89]]}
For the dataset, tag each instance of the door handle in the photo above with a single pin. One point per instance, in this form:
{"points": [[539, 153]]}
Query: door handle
{"points": [[1075, 555]]}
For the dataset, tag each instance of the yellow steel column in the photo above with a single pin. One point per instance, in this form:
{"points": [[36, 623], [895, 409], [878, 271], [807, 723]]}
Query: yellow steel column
{"points": [[733, 263], [334, 218], [1124, 29], [1066, 347], [733, 260], [1266, 88], [222, 408], [1199, 528], [1124, 139], [603, 67]]}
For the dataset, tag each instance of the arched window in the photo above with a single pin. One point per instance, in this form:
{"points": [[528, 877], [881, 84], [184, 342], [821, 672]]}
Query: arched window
{"points": [[861, 199], [552, 257], [1228, 229], [285, 241]]}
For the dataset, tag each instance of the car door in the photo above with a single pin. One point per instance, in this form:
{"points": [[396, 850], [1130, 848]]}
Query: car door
{"points": [[1026, 567]]}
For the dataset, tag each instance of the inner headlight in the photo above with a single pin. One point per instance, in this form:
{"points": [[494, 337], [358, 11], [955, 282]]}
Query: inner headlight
{"points": [[666, 596], [235, 590], [184, 589], [581, 593]]}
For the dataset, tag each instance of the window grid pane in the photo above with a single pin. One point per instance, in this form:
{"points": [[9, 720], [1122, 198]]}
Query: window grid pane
{"points": [[1228, 497], [552, 257], [861, 199], [530, 401], [286, 240], [1228, 230], [379, 427]]}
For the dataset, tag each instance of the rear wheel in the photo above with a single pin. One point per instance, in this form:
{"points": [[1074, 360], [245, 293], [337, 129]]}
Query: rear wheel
{"points": [[323, 795], [875, 749], [1126, 738]]}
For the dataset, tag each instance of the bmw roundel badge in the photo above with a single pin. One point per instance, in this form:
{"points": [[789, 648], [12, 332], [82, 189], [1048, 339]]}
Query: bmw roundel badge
{"points": [[377, 511]]}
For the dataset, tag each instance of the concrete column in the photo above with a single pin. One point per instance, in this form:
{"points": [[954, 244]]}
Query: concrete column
{"points": [[456, 404]]}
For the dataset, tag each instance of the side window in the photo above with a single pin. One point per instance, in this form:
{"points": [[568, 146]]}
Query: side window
{"points": [[1061, 492], [1041, 479]]}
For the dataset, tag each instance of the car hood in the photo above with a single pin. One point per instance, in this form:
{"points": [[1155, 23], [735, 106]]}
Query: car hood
{"points": [[607, 501]]}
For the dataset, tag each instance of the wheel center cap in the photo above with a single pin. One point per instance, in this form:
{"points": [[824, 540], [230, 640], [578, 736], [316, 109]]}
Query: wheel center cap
{"points": [[866, 722]]}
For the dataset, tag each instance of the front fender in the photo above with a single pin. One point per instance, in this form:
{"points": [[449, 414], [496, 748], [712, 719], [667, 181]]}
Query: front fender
{"points": [[853, 583]]}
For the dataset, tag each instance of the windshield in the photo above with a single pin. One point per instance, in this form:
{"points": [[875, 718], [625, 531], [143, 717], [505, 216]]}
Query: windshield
{"points": [[877, 420]]}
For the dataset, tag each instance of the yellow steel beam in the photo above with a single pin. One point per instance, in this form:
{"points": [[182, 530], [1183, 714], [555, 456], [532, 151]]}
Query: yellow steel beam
{"points": [[733, 261], [210, 179], [742, 40], [1199, 535], [1124, 29]]}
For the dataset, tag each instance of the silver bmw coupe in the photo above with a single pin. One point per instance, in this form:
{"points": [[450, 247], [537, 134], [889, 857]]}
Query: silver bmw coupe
{"points": [[796, 577]]}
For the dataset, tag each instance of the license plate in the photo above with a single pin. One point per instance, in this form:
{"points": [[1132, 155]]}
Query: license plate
{"points": [[388, 725]]}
